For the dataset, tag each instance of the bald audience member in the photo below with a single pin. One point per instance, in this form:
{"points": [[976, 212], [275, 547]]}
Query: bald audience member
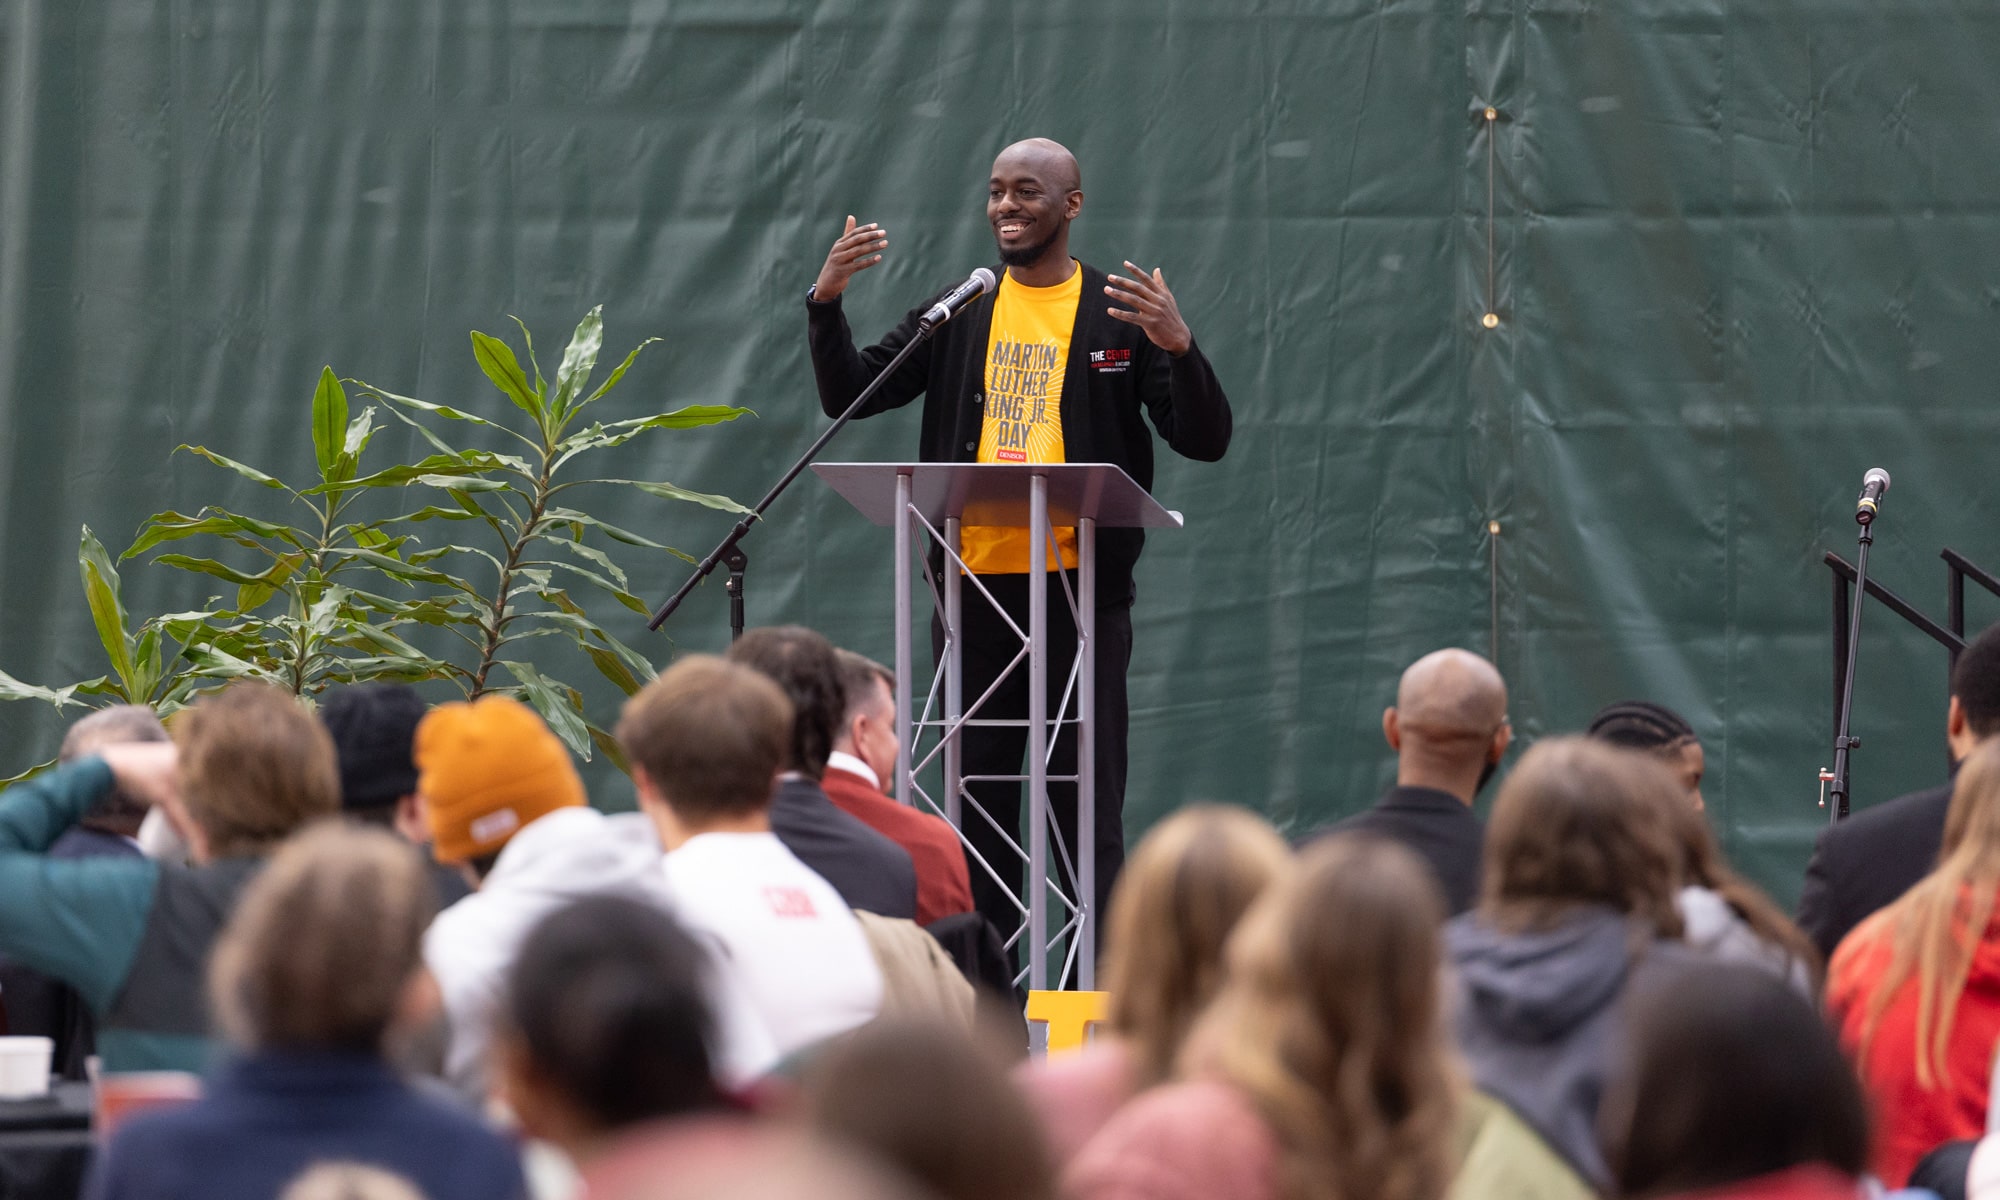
{"points": [[1448, 728]]}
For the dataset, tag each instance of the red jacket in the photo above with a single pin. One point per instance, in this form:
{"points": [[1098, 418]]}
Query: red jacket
{"points": [[1912, 1120], [1813, 1181], [943, 885]]}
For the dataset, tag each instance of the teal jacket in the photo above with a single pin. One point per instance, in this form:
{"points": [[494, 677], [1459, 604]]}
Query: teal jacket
{"points": [[131, 935]]}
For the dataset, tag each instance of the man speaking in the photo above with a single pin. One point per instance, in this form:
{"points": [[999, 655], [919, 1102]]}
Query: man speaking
{"points": [[1055, 365]]}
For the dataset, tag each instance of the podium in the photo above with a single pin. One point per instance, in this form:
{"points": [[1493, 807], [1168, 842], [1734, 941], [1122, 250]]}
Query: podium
{"points": [[939, 499]]}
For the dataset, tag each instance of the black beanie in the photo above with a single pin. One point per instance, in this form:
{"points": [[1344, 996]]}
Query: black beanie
{"points": [[373, 725]]}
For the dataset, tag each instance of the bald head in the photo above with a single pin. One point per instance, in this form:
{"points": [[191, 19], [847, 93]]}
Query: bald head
{"points": [[1449, 724], [1047, 160], [1452, 692]]}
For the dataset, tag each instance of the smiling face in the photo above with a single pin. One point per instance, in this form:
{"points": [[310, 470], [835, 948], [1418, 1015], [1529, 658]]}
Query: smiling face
{"points": [[1030, 201]]}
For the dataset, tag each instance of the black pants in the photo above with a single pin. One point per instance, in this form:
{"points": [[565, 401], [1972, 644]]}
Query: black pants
{"points": [[989, 646]]}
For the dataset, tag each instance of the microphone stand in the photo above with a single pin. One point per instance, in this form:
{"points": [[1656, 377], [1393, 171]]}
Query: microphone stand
{"points": [[1836, 780], [729, 552]]}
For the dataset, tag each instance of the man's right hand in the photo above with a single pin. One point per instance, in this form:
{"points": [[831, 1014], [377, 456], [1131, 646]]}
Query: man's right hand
{"points": [[857, 249]]}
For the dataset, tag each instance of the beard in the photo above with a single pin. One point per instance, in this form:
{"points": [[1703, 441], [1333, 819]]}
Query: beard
{"points": [[1027, 256]]}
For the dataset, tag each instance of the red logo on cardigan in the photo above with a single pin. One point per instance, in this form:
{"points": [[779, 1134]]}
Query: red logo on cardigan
{"points": [[1110, 362]]}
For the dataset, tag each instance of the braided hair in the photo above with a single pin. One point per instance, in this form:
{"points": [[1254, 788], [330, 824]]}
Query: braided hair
{"points": [[1641, 725]]}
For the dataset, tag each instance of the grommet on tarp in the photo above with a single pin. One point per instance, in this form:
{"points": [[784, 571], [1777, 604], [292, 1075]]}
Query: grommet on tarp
{"points": [[1491, 321], [1492, 113]]}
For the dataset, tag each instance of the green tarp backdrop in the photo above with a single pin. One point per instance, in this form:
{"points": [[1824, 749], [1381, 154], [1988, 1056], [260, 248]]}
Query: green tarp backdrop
{"points": [[1739, 252]]}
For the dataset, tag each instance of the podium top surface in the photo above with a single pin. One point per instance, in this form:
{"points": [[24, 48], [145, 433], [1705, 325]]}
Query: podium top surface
{"points": [[997, 493]]}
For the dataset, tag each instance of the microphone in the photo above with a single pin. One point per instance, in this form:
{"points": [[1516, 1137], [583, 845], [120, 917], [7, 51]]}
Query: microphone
{"points": [[1873, 484], [980, 283]]}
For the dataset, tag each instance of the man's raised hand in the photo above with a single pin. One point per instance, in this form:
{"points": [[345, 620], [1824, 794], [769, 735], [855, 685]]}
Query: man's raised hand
{"points": [[858, 248], [1150, 306]]}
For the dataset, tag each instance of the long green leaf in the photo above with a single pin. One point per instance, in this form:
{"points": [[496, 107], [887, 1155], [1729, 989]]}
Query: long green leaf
{"points": [[248, 472], [275, 574], [579, 360], [599, 437], [559, 704], [593, 554], [667, 491], [360, 432], [464, 464], [172, 526], [13, 689], [329, 422], [107, 609], [497, 360], [28, 774], [612, 750], [528, 342], [617, 373], [442, 410], [394, 566], [620, 594]]}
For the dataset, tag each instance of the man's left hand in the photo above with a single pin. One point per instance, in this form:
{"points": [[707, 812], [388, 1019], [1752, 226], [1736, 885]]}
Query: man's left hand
{"points": [[1150, 306]]}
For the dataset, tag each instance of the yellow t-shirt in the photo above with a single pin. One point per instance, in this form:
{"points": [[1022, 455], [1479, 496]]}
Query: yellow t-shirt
{"points": [[1026, 354]]}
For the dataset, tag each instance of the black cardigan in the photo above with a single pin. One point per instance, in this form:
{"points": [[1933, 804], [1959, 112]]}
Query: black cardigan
{"points": [[1114, 371]]}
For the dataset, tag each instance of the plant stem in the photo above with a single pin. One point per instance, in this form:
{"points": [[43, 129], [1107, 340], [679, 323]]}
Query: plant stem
{"points": [[497, 622]]}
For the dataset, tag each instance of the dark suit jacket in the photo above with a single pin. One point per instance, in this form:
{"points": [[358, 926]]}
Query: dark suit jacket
{"points": [[1865, 862], [1439, 827], [869, 871]]}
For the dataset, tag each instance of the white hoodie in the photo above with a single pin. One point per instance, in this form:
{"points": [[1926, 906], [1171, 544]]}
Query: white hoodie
{"points": [[554, 860]]}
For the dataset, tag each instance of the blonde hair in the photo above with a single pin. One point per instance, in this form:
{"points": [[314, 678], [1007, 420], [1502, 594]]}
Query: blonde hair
{"points": [[1175, 903], [1580, 822], [1331, 1024], [255, 766], [1938, 924], [323, 942]]}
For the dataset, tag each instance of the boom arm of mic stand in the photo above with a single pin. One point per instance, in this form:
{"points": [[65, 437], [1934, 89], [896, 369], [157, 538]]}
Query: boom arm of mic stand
{"points": [[707, 566]]}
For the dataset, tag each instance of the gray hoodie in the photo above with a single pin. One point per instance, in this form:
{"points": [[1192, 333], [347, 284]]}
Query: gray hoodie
{"points": [[1539, 1017]]}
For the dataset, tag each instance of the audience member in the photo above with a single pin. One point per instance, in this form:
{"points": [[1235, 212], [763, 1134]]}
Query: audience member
{"points": [[1735, 1090], [869, 870], [130, 934], [318, 962], [862, 770], [1577, 909], [604, 1043], [1173, 908], [705, 740], [1863, 863], [785, 1167], [924, 1098], [1659, 731], [502, 800], [36, 1004], [1915, 989], [1322, 1069], [374, 728], [1449, 730], [1723, 915]]}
